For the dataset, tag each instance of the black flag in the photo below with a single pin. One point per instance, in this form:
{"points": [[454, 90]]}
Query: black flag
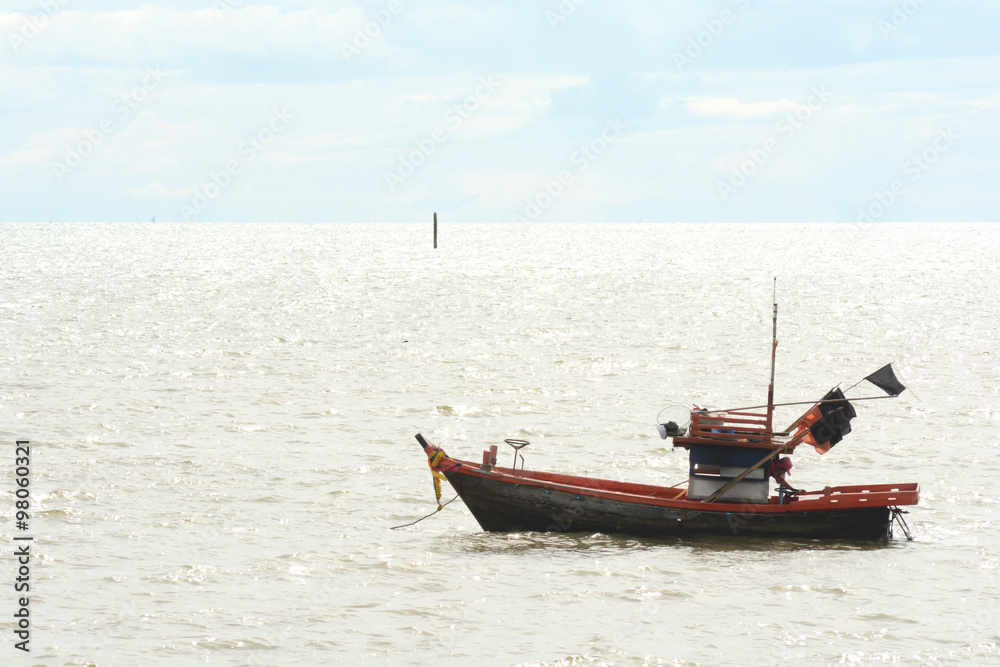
{"points": [[886, 380]]}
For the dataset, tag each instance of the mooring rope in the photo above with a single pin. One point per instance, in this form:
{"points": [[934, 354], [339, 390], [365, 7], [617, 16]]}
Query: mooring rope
{"points": [[440, 507]]}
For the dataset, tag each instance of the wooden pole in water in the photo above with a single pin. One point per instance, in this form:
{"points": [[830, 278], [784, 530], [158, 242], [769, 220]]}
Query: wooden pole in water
{"points": [[435, 230]]}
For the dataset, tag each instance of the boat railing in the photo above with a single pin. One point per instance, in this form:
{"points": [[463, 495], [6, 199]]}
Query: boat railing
{"points": [[729, 426], [861, 489]]}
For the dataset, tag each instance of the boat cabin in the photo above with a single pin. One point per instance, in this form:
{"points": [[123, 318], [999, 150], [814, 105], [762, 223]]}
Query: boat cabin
{"points": [[721, 447]]}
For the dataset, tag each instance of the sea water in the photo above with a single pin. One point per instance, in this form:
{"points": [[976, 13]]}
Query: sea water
{"points": [[221, 423]]}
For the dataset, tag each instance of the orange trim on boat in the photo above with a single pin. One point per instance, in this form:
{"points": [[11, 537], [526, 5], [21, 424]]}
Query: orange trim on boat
{"points": [[830, 498]]}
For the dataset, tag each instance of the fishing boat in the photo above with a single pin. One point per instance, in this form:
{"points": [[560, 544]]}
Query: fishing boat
{"points": [[733, 454]]}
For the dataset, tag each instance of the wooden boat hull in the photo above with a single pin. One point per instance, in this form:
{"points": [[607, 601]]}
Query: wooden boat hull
{"points": [[511, 500], [504, 506]]}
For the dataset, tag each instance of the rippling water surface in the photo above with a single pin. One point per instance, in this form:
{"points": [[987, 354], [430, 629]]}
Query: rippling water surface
{"points": [[222, 421]]}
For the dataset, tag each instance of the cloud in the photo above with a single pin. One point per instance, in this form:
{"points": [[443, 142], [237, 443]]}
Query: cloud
{"points": [[153, 191], [731, 107], [355, 118], [158, 34]]}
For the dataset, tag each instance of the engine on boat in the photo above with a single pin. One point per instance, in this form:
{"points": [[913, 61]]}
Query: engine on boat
{"points": [[669, 424], [669, 430]]}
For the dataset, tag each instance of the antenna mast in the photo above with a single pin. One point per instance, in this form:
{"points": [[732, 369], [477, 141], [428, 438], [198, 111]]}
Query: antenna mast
{"points": [[774, 349]]}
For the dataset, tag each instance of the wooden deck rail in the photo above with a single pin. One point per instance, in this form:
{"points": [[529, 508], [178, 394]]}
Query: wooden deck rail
{"points": [[728, 426]]}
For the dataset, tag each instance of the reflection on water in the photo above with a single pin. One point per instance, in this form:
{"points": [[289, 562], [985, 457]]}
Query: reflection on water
{"points": [[598, 543]]}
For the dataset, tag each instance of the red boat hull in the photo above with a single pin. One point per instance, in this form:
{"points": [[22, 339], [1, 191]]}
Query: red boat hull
{"points": [[501, 504], [507, 500]]}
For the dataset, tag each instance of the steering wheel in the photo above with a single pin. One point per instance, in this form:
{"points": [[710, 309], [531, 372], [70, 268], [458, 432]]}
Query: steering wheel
{"points": [[517, 445]]}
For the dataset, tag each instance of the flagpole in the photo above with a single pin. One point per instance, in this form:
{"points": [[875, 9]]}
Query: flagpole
{"points": [[781, 405], [769, 428], [908, 387], [862, 380], [770, 401], [855, 384]]}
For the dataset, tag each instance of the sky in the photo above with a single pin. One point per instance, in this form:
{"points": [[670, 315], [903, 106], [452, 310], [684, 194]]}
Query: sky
{"points": [[498, 111]]}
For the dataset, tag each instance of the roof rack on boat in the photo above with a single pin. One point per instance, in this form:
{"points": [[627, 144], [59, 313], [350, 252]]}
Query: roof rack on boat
{"points": [[737, 429]]}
